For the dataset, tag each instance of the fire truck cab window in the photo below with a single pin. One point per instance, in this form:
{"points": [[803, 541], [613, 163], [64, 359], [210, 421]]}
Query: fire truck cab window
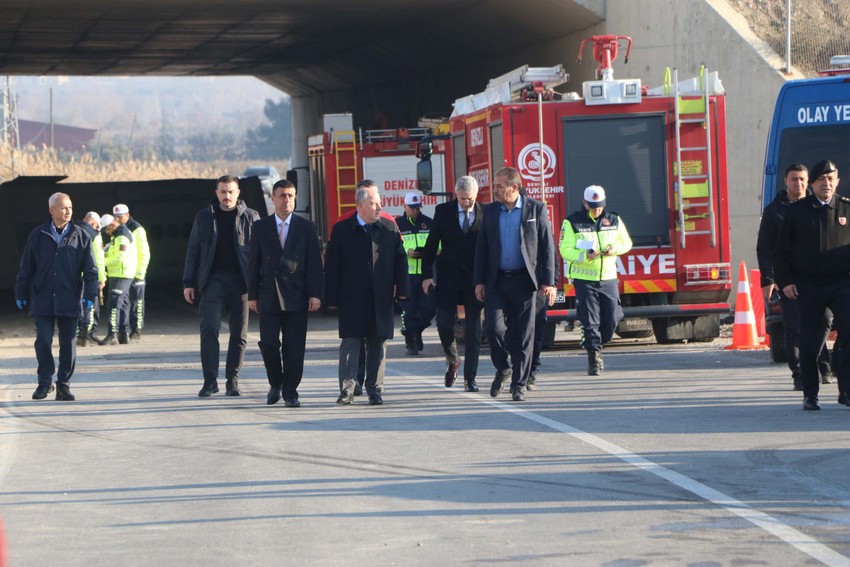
{"points": [[626, 155]]}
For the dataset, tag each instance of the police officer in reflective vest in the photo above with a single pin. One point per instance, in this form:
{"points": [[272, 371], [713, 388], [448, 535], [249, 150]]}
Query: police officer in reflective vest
{"points": [[120, 260], [143, 258], [591, 240], [418, 309]]}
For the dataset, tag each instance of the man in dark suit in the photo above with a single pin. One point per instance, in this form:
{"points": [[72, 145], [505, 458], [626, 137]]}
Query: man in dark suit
{"points": [[284, 284], [451, 243], [514, 259], [365, 268]]}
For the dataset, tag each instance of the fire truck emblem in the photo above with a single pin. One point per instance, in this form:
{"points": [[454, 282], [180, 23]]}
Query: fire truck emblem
{"points": [[531, 163]]}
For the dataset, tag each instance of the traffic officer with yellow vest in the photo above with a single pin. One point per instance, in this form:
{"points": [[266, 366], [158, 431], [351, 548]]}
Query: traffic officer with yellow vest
{"points": [[87, 329], [591, 240], [143, 252], [418, 309], [120, 259]]}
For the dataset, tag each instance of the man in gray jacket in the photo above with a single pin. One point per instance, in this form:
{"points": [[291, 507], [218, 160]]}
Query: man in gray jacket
{"points": [[216, 269]]}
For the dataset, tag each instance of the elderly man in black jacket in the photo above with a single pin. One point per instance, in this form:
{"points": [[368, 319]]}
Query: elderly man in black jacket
{"points": [[811, 265], [284, 284], [451, 245], [58, 280], [217, 268], [365, 268]]}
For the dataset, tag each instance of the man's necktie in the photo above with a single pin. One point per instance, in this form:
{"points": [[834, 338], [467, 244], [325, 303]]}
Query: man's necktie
{"points": [[465, 225], [282, 235]]}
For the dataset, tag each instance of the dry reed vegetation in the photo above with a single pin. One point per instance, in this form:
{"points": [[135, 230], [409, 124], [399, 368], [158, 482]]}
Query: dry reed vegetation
{"points": [[85, 168]]}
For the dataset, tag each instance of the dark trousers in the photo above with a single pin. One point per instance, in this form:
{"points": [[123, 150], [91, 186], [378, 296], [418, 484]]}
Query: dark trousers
{"points": [[137, 305], [509, 312], [223, 291], [540, 319], [349, 360], [89, 321], [44, 348], [472, 331], [814, 299], [284, 361], [119, 305], [598, 309], [791, 336], [418, 309]]}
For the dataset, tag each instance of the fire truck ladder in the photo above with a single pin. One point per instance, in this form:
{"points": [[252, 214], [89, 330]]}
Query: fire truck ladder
{"points": [[345, 160], [693, 190]]}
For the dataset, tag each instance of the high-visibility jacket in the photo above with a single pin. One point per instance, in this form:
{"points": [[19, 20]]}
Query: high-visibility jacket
{"points": [[580, 233], [120, 257], [143, 249], [414, 234], [97, 250]]}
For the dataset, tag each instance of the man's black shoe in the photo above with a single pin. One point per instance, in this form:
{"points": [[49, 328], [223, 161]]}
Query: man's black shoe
{"points": [[209, 388], [345, 398], [273, 396], [420, 346], [531, 384], [231, 387], [499, 382], [41, 391], [135, 336], [451, 373], [594, 362], [358, 390], [63, 393], [519, 394], [293, 403], [108, 340], [470, 386], [123, 339], [410, 350], [844, 398], [811, 404], [375, 399], [81, 341]]}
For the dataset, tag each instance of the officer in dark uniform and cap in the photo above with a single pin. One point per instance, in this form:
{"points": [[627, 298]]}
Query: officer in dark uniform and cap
{"points": [[812, 266]]}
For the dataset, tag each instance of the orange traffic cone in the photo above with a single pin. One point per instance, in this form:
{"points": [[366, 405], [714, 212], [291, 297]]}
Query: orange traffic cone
{"points": [[744, 334]]}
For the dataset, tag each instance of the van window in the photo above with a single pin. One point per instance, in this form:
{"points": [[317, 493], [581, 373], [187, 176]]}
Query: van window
{"points": [[811, 144]]}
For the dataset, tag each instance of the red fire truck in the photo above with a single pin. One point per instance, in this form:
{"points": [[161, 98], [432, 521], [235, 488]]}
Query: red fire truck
{"points": [[659, 153], [341, 156]]}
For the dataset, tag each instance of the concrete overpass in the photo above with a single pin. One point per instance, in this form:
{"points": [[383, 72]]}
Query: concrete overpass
{"points": [[390, 61]]}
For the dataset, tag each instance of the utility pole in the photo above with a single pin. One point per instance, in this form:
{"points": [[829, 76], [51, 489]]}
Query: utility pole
{"points": [[10, 139]]}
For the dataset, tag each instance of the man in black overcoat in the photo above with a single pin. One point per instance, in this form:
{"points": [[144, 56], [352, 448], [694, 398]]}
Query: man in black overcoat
{"points": [[365, 268]]}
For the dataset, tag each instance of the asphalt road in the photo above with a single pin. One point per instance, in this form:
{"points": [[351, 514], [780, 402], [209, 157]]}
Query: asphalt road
{"points": [[676, 455]]}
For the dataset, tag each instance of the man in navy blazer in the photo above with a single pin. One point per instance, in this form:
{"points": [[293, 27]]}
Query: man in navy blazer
{"points": [[514, 260], [57, 279], [284, 284]]}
